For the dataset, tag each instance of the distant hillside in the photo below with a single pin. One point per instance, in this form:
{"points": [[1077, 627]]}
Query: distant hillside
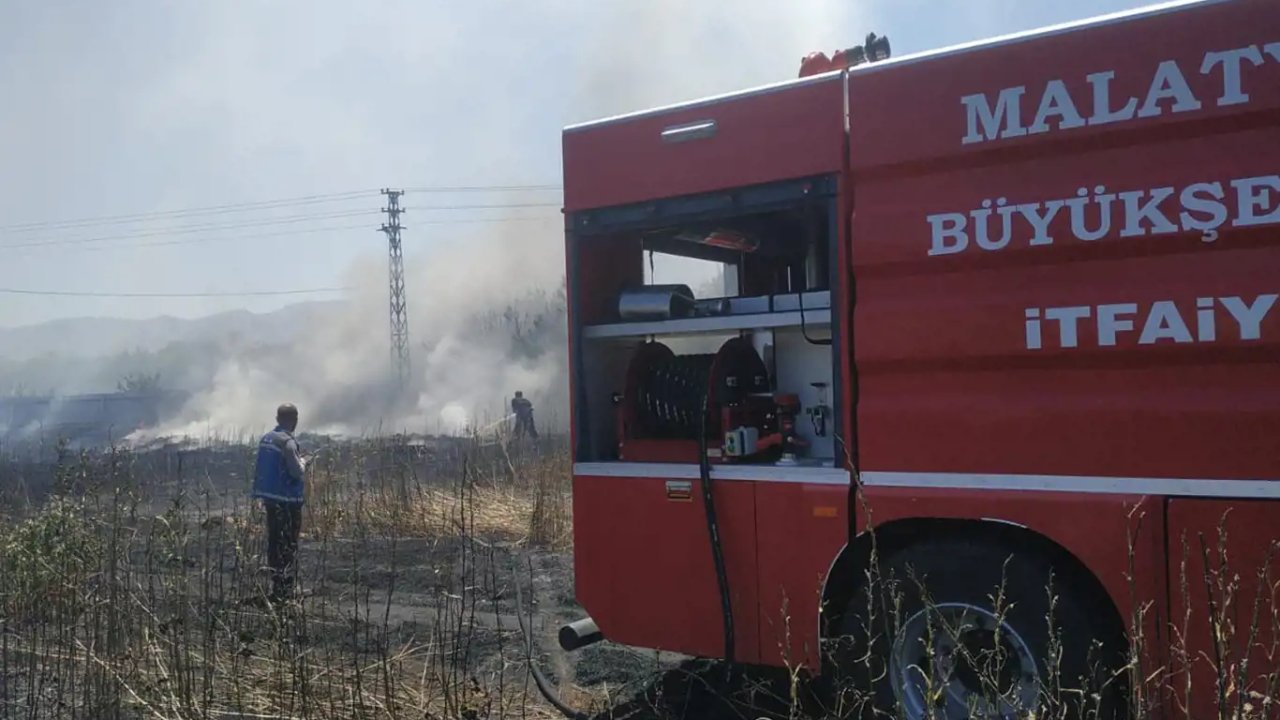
{"points": [[87, 337]]}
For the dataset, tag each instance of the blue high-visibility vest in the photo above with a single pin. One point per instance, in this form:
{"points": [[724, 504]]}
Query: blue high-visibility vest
{"points": [[271, 479]]}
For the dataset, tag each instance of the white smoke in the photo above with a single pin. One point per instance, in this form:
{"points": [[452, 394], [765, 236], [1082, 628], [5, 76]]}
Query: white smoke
{"points": [[467, 308], [625, 56]]}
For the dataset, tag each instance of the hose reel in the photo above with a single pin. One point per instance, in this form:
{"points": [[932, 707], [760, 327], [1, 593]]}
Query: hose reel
{"points": [[665, 393]]}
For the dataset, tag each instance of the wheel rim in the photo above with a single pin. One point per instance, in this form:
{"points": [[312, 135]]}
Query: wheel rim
{"points": [[956, 660]]}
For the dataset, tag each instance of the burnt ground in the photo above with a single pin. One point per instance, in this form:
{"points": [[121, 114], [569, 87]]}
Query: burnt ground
{"points": [[604, 680], [469, 586], [455, 591]]}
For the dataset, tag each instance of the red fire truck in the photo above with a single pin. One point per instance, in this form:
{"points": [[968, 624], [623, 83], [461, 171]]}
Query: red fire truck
{"points": [[1000, 314]]}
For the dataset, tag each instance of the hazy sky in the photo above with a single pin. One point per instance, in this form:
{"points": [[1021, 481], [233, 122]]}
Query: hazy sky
{"points": [[129, 107]]}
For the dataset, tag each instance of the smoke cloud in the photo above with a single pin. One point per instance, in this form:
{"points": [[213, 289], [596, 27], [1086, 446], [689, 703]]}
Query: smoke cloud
{"points": [[486, 89], [485, 320]]}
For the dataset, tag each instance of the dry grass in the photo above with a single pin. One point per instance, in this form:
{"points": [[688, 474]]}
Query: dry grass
{"points": [[511, 501], [128, 596], [135, 591]]}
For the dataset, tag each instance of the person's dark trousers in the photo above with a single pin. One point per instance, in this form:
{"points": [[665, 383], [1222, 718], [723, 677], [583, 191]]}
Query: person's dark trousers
{"points": [[284, 523], [525, 426]]}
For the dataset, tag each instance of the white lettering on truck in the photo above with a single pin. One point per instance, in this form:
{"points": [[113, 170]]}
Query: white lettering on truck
{"points": [[1095, 212], [1162, 322], [1168, 91]]}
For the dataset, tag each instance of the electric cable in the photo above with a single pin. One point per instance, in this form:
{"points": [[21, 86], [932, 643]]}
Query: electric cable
{"points": [[184, 213], [203, 240], [482, 188], [302, 231], [489, 206], [189, 229], [206, 224], [287, 220], [245, 293], [253, 206]]}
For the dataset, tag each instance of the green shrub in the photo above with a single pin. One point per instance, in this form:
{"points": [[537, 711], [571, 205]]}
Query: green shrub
{"points": [[46, 559]]}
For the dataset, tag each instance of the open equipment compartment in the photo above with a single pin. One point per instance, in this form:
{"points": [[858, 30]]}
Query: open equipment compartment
{"points": [[761, 356]]}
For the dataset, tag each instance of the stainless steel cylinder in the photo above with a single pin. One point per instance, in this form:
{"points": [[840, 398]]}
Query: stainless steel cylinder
{"points": [[656, 302], [711, 306]]}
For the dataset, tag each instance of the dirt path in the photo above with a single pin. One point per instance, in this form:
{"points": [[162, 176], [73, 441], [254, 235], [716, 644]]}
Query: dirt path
{"points": [[415, 585]]}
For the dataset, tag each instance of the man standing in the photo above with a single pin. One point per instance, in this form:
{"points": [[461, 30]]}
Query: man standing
{"points": [[523, 410], [278, 482]]}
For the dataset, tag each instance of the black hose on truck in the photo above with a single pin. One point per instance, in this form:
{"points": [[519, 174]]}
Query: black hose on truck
{"points": [[713, 531], [722, 581]]}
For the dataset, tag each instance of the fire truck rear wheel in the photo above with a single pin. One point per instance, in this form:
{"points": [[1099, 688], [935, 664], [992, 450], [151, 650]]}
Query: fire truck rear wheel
{"points": [[977, 647]]}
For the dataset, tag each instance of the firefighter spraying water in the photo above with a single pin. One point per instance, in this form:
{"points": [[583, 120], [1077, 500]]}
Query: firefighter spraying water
{"points": [[522, 410]]}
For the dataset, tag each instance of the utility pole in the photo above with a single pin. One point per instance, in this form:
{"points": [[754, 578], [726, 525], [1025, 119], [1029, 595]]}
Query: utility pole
{"points": [[399, 317]]}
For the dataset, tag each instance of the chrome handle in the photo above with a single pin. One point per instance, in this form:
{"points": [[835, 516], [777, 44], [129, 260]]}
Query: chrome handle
{"points": [[690, 131]]}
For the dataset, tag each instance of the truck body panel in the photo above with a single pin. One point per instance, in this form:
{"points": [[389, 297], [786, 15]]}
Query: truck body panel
{"points": [[644, 569], [1056, 307], [1030, 350], [789, 131]]}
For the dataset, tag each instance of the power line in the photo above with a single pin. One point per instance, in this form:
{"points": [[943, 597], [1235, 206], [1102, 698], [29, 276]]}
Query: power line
{"points": [[253, 206], [210, 227], [179, 214], [494, 206], [187, 229], [488, 221], [392, 230], [483, 188], [246, 293], [60, 244], [204, 240]]}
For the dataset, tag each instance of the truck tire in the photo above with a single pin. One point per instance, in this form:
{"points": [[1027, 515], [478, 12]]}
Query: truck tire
{"points": [[900, 655]]}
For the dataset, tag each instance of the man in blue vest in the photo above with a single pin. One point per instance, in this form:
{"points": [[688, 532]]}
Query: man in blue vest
{"points": [[278, 482]]}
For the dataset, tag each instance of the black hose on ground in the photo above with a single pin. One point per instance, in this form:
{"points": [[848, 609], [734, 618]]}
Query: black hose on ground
{"points": [[549, 694], [713, 531], [544, 687]]}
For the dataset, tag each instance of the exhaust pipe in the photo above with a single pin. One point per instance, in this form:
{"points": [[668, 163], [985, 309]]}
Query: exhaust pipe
{"points": [[579, 634]]}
